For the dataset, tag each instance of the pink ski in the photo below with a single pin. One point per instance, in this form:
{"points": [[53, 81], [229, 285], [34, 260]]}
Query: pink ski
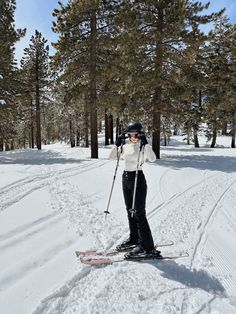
{"points": [[99, 260], [87, 253], [96, 261], [114, 251]]}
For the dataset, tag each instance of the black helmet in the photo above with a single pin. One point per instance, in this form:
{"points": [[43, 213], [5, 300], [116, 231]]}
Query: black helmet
{"points": [[134, 126]]}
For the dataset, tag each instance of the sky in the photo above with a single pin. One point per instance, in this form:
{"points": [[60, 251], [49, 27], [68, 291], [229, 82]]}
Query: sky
{"points": [[32, 15], [37, 14]]}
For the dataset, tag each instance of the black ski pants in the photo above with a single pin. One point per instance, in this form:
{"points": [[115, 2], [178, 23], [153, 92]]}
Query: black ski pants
{"points": [[139, 228]]}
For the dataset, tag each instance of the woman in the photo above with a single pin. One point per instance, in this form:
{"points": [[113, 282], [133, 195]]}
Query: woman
{"points": [[140, 240]]}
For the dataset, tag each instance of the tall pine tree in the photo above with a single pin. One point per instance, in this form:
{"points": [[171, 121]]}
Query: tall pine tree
{"points": [[218, 71], [8, 73], [155, 33], [82, 49], [36, 66]]}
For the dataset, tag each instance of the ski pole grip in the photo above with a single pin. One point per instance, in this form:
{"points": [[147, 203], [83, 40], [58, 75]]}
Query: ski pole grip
{"points": [[141, 146]]}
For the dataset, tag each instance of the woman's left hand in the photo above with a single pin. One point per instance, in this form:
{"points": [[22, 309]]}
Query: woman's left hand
{"points": [[143, 139]]}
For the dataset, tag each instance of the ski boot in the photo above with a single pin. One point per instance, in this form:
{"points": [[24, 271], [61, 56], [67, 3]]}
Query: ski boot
{"points": [[127, 245], [138, 253]]}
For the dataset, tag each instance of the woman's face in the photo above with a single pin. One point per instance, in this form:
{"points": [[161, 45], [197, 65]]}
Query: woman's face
{"points": [[133, 136]]}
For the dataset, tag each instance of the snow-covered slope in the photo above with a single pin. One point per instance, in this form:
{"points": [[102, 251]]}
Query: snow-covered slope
{"points": [[52, 203]]}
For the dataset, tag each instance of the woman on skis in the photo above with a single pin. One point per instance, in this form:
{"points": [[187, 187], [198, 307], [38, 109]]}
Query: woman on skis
{"points": [[135, 152]]}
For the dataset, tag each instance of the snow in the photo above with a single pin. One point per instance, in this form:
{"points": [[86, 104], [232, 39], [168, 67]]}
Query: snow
{"points": [[52, 203], [2, 102]]}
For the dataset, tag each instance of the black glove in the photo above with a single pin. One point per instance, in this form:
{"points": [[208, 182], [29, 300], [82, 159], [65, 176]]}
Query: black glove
{"points": [[120, 140], [143, 139]]}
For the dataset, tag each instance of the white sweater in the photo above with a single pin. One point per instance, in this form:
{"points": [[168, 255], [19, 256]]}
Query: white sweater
{"points": [[130, 154]]}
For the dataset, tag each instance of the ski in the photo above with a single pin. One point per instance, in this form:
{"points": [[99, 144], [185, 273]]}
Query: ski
{"points": [[115, 252], [103, 260]]}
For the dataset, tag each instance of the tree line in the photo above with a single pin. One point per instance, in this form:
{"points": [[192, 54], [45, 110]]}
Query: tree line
{"points": [[117, 61]]}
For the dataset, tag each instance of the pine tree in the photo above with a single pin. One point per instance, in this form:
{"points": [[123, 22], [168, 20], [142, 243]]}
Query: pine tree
{"points": [[155, 35], [218, 71], [82, 50], [36, 67], [8, 73], [193, 80], [230, 104]]}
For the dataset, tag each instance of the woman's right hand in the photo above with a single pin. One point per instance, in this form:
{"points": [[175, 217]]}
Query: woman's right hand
{"points": [[120, 140]]}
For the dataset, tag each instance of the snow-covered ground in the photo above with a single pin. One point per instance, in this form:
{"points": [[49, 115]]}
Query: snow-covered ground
{"points": [[52, 203]]}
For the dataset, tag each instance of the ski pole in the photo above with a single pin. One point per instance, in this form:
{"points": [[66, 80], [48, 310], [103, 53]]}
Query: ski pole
{"points": [[113, 182], [132, 210]]}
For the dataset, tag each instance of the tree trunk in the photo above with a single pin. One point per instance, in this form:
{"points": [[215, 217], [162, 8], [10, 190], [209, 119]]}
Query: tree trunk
{"points": [[195, 136], [7, 147], [117, 128], [93, 90], [233, 140], [157, 100], [53, 129], [233, 131], [175, 132], [1, 144], [156, 135], [77, 136], [29, 138], [195, 127], [32, 125], [213, 143], [106, 128], [72, 135], [86, 126], [37, 100], [188, 138], [25, 137], [200, 99], [77, 131], [165, 139], [224, 128], [100, 126], [111, 129]]}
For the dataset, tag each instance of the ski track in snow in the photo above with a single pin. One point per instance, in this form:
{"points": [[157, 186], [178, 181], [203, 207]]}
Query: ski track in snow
{"points": [[224, 262], [15, 233], [183, 215], [209, 220], [161, 185], [30, 263], [26, 259], [62, 293], [16, 191], [163, 205], [79, 207], [29, 233], [184, 197], [21, 234]]}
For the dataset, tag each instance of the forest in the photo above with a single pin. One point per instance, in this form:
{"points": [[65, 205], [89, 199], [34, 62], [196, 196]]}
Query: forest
{"points": [[117, 61]]}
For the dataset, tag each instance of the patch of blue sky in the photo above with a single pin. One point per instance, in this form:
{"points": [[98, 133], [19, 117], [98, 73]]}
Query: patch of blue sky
{"points": [[216, 6], [32, 15]]}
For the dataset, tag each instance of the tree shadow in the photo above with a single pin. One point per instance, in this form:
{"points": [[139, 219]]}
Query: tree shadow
{"points": [[186, 149], [35, 157], [191, 278], [202, 162]]}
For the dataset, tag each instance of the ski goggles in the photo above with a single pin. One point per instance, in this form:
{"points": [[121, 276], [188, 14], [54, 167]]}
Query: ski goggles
{"points": [[133, 134]]}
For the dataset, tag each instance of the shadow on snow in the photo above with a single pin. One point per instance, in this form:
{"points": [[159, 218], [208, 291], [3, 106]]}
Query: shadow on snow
{"points": [[201, 162], [35, 157], [191, 278]]}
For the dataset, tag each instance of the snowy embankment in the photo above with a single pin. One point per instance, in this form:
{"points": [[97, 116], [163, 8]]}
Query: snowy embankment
{"points": [[52, 203]]}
